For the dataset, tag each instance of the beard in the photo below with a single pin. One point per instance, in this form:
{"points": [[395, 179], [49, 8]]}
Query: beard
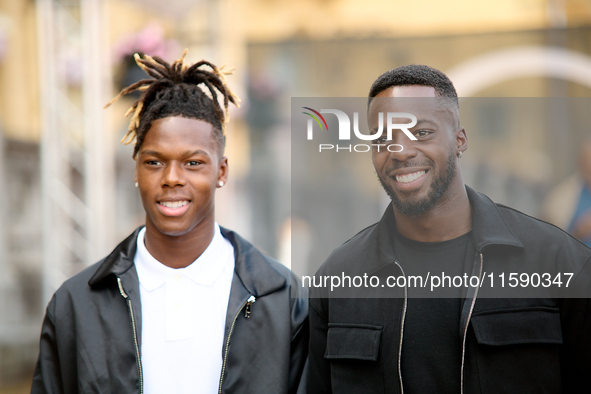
{"points": [[439, 186]]}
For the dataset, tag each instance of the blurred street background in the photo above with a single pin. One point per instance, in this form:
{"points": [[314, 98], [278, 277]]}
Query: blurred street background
{"points": [[68, 197]]}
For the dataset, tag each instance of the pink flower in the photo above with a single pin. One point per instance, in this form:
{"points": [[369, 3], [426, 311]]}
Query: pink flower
{"points": [[150, 40]]}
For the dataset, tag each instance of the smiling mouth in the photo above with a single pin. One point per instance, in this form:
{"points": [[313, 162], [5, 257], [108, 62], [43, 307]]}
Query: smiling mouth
{"points": [[407, 178], [174, 204]]}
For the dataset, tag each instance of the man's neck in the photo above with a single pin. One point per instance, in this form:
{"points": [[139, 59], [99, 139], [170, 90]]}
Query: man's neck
{"points": [[179, 251], [450, 218]]}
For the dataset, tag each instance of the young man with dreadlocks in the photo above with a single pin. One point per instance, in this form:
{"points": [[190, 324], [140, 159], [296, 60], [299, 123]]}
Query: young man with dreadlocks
{"points": [[182, 305]]}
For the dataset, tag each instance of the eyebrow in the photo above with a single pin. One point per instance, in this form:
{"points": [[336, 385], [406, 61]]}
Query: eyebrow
{"points": [[187, 153], [419, 121]]}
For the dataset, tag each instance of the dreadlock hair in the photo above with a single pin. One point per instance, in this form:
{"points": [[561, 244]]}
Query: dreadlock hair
{"points": [[414, 74], [174, 90]]}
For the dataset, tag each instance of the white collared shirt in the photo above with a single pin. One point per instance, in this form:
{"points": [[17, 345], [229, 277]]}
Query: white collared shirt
{"points": [[184, 318]]}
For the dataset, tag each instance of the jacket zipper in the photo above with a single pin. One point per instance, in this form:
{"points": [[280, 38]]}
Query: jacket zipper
{"points": [[246, 305], [137, 349], [251, 300], [401, 330], [467, 324]]}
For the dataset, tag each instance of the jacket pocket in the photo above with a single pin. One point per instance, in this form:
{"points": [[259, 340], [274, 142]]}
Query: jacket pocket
{"points": [[353, 351], [517, 349], [355, 341], [522, 326]]}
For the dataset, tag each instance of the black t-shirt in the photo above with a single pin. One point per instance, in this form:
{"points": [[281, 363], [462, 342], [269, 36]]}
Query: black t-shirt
{"points": [[432, 346]]}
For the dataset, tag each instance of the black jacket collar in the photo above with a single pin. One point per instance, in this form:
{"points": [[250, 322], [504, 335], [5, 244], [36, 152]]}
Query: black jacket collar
{"points": [[251, 266], [488, 227]]}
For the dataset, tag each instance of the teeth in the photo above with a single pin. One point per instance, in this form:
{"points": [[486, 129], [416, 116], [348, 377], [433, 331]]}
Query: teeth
{"points": [[174, 204], [409, 177]]}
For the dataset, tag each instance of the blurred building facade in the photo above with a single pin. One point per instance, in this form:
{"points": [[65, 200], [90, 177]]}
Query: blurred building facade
{"points": [[69, 195]]}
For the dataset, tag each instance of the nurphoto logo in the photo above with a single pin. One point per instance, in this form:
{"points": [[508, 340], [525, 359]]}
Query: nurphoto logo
{"points": [[378, 140]]}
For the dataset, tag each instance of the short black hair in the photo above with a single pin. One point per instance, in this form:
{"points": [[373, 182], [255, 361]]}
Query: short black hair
{"points": [[175, 91], [414, 74]]}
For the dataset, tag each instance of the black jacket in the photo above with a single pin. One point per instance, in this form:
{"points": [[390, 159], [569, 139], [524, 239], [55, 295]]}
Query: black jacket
{"points": [[509, 345], [91, 335]]}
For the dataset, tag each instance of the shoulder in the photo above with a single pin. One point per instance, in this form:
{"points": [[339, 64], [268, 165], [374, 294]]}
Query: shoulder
{"points": [[254, 267], [92, 280], [78, 285], [546, 243], [498, 224], [265, 277], [291, 278], [546, 248], [530, 229], [73, 296]]}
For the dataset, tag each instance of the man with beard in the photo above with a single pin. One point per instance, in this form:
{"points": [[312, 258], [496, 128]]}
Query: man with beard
{"points": [[395, 339]]}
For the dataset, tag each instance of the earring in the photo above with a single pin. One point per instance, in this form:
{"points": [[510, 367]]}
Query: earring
{"points": [[136, 185], [460, 154], [221, 183]]}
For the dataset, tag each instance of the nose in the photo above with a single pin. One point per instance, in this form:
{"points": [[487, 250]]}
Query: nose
{"points": [[173, 175], [401, 148]]}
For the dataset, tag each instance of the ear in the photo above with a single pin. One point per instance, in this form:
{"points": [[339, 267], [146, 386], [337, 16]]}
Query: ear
{"points": [[223, 170], [461, 140]]}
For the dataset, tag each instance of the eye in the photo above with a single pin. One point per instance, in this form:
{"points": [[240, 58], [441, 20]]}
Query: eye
{"points": [[193, 163], [422, 133], [381, 140], [153, 162]]}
